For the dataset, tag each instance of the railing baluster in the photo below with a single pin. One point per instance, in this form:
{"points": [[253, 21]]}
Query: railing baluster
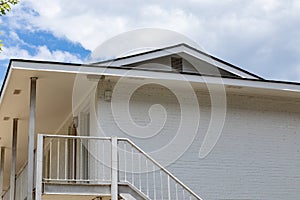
{"points": [[95, 159], [176, 189], [110, 162], [66, 157], [154, 183], [140, 173], [147, 178], [46, 163], [58, 159], [125, 162], [73, 159], [169, 188], [80, 161], [50, 159], [103, 161], [132, 170], [183, 195], [161, 185]]}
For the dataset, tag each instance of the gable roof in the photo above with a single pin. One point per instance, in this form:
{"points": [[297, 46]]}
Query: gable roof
{"points": [[244, 77], [177, 49], [90, 69]]}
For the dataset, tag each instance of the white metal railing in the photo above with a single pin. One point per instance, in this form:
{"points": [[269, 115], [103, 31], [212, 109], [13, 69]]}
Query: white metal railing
{"points": [[83, 159], [76, 159], [137, 168], [6, 196], [21, 186]]}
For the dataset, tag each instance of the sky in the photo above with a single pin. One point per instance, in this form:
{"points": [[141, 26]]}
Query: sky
{"points": [[261, 36]]}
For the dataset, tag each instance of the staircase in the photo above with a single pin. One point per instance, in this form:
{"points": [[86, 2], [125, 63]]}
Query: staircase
{"points": [[129, 192], [110, 168]]}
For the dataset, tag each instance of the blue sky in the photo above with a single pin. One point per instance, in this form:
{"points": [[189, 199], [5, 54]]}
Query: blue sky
{"points": [[261, 36]]}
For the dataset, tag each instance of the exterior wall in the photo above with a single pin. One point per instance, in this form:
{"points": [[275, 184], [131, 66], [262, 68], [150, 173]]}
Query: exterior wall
{"points": [[256, 157]]}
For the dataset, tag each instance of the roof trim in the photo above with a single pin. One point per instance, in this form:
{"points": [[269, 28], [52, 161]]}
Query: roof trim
{"points": [[147, 73], [5, 79], [181, 45]]}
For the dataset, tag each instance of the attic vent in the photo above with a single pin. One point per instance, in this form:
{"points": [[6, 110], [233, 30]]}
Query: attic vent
{"points": [[176, 64], [17, 92], [6, 118]]}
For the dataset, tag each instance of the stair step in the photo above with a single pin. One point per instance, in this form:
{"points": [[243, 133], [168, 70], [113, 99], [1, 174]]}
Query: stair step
{"points": [[126, 196]]}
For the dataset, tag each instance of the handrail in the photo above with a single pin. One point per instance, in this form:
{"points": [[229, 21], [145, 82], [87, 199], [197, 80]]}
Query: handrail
{"points": [[62, 149], [60, 152], [160, 166], [18, 174], [76, 137]]}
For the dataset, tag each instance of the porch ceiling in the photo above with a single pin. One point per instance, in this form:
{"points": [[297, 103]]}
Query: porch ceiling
{"points": [[54, 103]]}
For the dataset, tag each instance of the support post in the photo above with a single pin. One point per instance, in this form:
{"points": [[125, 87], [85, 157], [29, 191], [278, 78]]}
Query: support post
{"points": [[114, 168], [13, 160], [31, 137], [39, 167], [2, 170]]}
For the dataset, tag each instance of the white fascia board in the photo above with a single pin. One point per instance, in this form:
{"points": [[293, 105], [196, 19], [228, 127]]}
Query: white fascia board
{"points": [[5, 85], [45, 66], [133, 73], [143, 57], [216, 63], [177, 50]]}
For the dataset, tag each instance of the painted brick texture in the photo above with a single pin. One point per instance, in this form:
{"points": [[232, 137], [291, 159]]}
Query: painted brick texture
{"points": [[256, 157]]}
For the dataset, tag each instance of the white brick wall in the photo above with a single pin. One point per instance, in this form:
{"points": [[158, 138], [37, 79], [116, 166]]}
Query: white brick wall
{"points": [[257, 156]]}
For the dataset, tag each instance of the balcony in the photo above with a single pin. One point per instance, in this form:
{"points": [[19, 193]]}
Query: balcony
{"points": [[79, 167]]}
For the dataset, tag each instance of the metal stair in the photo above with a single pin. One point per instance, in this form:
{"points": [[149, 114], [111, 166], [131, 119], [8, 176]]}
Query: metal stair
{"points": [[117, 169], [129, 192], [148, 176]]}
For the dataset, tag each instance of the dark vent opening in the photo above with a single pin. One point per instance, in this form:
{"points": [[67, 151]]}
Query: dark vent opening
{"points": [[176, 64]]}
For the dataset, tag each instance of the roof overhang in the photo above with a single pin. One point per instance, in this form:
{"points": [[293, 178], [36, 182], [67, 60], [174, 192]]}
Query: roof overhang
{"points": [[56, 82], [54, 94], [55, 87], [39, 66]]}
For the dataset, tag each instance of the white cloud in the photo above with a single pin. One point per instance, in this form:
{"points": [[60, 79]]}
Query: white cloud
{"points": [[91, 23], [256, 34], [14, 52], [42, 53]]}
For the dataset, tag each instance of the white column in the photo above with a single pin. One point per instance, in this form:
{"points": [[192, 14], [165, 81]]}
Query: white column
{"points": [[31, 137], [13, 160], [2, 169], [114, 168], [39, 167]]}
